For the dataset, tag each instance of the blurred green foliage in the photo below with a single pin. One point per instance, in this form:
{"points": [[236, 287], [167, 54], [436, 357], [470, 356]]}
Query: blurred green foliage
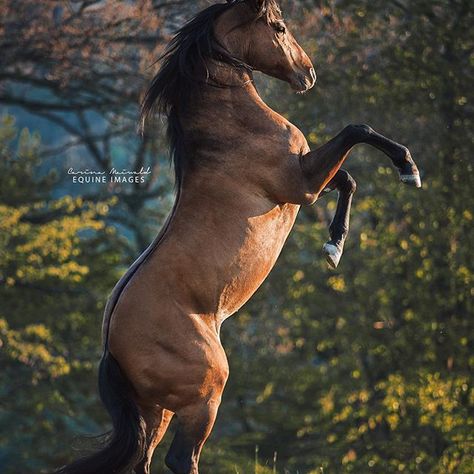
{"points": [[367, 369], [58, 260]]}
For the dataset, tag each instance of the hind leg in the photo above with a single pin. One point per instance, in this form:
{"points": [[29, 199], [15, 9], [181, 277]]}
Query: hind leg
{"points": [[197, 413], [195, 423], [186, 373], [157, 421]]}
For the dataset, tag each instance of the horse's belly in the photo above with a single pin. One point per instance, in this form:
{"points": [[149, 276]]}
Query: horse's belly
{"points": [[264, 241], [198, 272]]}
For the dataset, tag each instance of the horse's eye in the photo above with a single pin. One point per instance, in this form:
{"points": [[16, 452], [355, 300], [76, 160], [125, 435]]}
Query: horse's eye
{"points": [[280, 28]]}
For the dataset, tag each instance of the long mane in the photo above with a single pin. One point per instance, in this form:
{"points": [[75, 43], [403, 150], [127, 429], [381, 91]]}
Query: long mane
{"points": [[183, 70]]}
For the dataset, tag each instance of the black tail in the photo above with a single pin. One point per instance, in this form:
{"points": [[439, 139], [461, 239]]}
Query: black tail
{"points": [[125, 446]]}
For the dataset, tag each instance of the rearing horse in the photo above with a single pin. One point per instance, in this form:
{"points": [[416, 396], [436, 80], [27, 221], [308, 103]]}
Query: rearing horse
{"points": [[242, 173]]}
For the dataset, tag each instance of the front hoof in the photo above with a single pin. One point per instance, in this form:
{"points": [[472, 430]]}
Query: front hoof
{"points": [[333, 254], [411, 179], [409, 173]]}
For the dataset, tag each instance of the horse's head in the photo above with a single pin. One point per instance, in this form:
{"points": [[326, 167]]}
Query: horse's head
{"points": [[254, 31]]}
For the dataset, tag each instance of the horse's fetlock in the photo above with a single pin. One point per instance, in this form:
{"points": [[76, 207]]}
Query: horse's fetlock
{"points": [[406, 153], [338, 233]]}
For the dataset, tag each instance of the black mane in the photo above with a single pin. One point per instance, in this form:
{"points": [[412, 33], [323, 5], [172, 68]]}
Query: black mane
{"points": [[178, 78]]}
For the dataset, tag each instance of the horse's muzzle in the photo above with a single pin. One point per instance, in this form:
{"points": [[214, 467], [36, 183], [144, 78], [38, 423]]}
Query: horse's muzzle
{"points": [[303, 81]]}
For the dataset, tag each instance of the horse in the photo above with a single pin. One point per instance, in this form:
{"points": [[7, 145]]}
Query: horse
{"points": [[242, 173]]}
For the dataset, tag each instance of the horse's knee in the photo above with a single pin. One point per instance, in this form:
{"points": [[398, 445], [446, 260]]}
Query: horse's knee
{"points": [[346, 183], [358, 131]]}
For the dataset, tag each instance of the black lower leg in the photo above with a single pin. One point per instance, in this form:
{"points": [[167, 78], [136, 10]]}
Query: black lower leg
{"points": [[339, 226], [320, 164], [181, 458], [398, 154]]}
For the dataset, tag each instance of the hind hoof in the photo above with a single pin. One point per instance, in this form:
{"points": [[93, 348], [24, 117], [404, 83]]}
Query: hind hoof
{"points": [[333, 254], [411, 179]]}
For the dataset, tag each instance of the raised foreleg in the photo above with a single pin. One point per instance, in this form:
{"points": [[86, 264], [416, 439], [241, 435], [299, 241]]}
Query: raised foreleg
{"points": [[345, 184], [321, 171], [321, 165]]}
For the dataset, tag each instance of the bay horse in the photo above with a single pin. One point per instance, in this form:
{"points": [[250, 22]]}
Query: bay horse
{"points": [[242, 173]]}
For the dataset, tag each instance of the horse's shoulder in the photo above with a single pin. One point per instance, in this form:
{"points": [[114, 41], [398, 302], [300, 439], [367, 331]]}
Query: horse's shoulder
{"points": [[290, 134]]}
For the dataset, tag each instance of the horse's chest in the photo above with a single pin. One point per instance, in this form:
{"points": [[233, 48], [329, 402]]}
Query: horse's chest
{"points": [[264, 240]]}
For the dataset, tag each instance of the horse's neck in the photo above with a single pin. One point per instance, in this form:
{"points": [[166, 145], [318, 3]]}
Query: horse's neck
{"points": [[235, 143], [232, 90]]}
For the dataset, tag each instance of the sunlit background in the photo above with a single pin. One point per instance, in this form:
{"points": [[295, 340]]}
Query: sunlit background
{"points": [[367, 369]]}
